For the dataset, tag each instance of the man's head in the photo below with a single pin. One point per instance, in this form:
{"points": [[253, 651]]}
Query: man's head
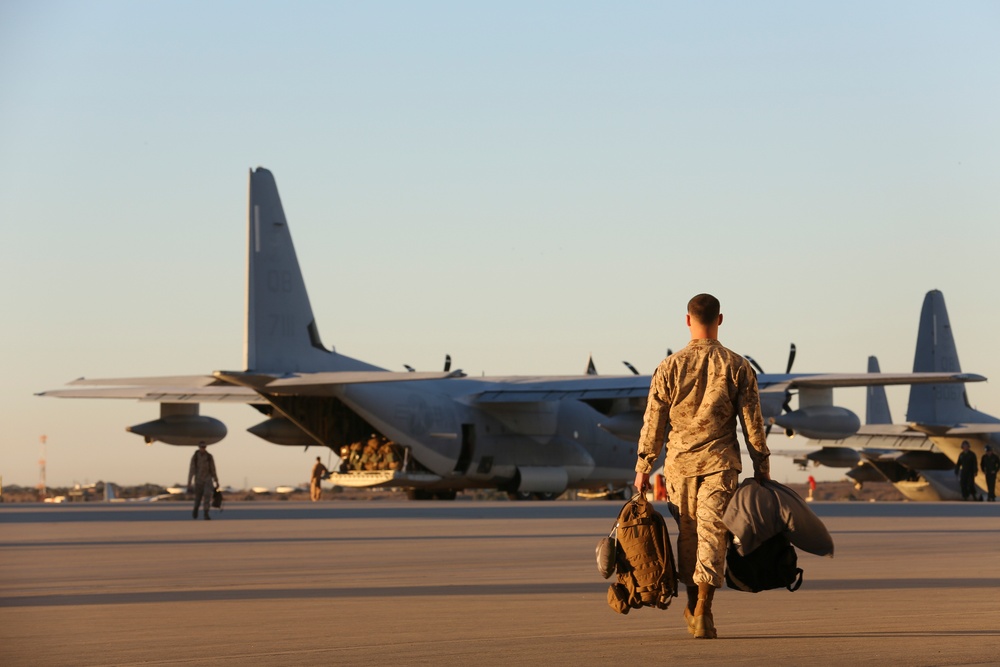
{"points": [[703, 316], [704, 308], [988, 448], [317, 459], [202, 446], [965, 445]]}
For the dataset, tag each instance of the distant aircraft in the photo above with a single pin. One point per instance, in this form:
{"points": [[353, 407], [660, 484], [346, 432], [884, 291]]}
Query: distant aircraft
{"points": [[917, 457], [531, 437], [111, 496]]}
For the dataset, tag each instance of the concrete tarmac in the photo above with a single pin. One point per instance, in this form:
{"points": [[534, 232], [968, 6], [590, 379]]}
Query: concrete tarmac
{"points": [[469, 583]]}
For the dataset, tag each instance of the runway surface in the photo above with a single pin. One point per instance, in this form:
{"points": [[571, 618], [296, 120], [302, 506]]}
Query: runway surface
{"points": [[460, 583]]}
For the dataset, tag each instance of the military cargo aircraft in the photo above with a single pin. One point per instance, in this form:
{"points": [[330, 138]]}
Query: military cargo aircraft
{"points": [[919, 456], [531, 437]]}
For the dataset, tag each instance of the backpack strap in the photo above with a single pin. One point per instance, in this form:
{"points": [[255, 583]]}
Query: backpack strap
{"points": [[794, 586]]}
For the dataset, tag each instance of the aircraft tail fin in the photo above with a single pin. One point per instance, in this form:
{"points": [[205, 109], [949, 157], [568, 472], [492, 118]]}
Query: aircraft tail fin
{"points": [[110, 495], [877, 406], [281, 334], [936, 352]]}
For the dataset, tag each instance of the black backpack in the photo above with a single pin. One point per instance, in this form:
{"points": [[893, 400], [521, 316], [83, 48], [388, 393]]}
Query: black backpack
{"points": [[643, 559], [771, 565]]}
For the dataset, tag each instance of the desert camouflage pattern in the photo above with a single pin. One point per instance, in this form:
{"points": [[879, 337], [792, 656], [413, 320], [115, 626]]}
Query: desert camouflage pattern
{"points": [[318, 472], [202, 468], [701, 537], [696, 396]]}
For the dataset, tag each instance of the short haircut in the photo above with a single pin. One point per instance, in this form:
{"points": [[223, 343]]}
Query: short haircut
{"points": [[704, 308]]}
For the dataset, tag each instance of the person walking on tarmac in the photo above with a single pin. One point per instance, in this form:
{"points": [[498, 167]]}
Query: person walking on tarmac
{"points": [[966, 468], [698, 393], [991, 465], [319, 471], [202, 479]]}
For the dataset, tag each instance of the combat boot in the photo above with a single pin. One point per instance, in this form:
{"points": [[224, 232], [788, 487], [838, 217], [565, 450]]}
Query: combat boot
{"points": [[692, 602], [704, 624]]}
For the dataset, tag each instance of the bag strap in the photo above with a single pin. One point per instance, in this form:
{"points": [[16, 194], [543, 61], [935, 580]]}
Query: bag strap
{"points": [[794, 586]]}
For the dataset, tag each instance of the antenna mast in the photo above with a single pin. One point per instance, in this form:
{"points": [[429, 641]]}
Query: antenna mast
{"points": [[42, 486]]}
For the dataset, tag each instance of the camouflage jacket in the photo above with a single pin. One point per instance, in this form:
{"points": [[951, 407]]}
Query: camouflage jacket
{"points": [[990, 463], [319, 471], [695, 396], [202, 468]]}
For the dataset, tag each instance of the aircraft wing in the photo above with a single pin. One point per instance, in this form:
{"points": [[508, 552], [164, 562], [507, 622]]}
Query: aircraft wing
{"points": [[243, 387], [230, 386], [324, 383], [159, 381], [832, 380], [164, 394], [637, 386], [957, 430], [582, 388]]}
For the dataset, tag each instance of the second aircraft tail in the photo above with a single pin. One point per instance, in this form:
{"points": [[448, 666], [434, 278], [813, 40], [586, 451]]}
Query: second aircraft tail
{"points": [[942, 404]]}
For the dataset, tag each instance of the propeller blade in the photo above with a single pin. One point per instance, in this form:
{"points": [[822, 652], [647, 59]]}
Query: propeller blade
{"points": [[591, 368], [447, 363], [631, 368], [753, 362], [791, 359], [409, 368]]}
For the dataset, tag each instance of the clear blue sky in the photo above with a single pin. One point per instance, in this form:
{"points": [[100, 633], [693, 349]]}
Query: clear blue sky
{"points": [[519, 184]]}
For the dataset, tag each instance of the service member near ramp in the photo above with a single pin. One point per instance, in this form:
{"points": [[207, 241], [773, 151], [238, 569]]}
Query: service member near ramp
{"points": [[967, 468], [319, 471], [697, 394], [990, 463], [202, 479]]}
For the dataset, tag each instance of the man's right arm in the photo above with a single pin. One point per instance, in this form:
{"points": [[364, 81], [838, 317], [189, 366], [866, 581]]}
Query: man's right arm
{"points": [[654, 425]]}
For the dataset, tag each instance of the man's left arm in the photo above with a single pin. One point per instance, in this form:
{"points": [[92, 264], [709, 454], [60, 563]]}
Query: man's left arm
{"points": [[752, 422]]}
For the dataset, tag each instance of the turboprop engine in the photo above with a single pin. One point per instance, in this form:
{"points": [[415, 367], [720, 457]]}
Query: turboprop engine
{"points": [[280, 431], [625, 425], [180, 424], [820, 422]]}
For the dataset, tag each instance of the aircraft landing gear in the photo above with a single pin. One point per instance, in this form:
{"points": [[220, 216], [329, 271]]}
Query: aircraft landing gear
{"points": [[527, 495], [423, 494]]}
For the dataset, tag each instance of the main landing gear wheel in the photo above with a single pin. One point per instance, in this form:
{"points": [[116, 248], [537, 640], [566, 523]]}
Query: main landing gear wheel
{"points": [[422, 494], [526, 495]]}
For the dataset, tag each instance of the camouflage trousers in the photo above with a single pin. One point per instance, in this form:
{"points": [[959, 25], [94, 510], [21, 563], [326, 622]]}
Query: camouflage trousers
{"points": [[203, 490], [701, 540]]}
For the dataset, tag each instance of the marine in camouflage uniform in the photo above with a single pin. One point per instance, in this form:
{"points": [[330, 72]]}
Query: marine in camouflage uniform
{"points": [[316, 476], [202, 479], [370, 455], [990, 463], [967, 468], [354, 463], [695, 397], [389, 453]]}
